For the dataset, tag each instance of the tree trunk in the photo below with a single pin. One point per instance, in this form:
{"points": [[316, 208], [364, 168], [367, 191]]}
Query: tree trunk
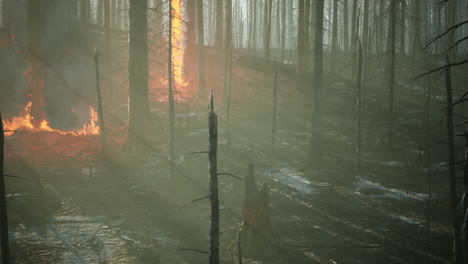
{"points": [[267, 33], [201, 50], [300, 47], [171, 94], [227, 45], [335, 34], [346, 27], [102, 131], [457, 252], [3, 203], [273, 127], [391, 53], [402, 26], [138, 101], [214, 200], [316, 130], [190, 47], [417, 26], [107, 32], [283, 28], [365, 29], [359, 110], [219, 24]]}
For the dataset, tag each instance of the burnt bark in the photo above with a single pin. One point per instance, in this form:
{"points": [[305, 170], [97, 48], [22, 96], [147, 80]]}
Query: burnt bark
{"points": [[3, 204], [214, 199], [102, 131]]}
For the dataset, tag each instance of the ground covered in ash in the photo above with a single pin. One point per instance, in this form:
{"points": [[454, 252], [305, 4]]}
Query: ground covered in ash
{"points": [[77, 208]]}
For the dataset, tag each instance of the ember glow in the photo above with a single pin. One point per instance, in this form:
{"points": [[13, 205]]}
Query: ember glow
{"points": [[25, 122]]}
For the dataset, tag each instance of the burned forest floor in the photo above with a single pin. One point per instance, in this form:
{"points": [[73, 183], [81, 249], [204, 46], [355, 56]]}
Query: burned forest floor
{"points": [[78, 208]]}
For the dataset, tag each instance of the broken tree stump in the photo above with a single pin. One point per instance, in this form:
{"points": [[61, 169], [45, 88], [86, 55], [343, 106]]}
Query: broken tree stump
{"points": [[256, 230]]}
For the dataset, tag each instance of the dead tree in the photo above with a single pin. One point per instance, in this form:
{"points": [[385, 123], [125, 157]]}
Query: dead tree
{"points": [[256, 230], [214, 199], [457, 255], [3, 206], [99, 106]]}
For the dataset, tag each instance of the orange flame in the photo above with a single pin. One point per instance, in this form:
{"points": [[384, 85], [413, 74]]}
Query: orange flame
{"points": [[178, 44], [25, 122]]}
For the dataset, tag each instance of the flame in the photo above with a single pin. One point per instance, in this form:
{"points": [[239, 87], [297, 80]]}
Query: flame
{"points": [[25, 122], [177, 43]]}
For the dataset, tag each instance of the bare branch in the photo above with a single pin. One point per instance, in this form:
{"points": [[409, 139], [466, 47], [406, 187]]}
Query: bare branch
{"points": [[194, 250], [196, 200], [229, 174]]}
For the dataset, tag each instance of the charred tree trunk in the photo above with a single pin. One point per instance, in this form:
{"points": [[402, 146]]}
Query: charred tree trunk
{"points": [[138, 101], [102, 131], [214, 199], [457, 253], [3, 203], [201, 50], [316, 133], [219, 24]]}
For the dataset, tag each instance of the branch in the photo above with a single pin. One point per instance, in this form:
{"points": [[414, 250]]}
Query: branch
{"points": [[456, 44], [454, 27], [194, 250], [196, 200], [229, 174], [442, 68], [17, 177]]}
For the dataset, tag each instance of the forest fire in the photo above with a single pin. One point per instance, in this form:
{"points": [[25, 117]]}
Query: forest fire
{"points": [[25, 122], [181, 85], [178, 44]]}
